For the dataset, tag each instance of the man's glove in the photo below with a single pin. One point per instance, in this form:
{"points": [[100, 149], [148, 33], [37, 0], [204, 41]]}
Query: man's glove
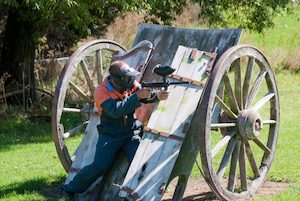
{"points": [[138, 130]]}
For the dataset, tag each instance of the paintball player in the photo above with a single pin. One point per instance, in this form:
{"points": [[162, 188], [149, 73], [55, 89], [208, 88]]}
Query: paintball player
{"points": [[117, 99]]}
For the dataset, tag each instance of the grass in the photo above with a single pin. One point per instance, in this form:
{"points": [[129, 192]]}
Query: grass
{"points": [[28, 160], [281, 43], [29, 165]]}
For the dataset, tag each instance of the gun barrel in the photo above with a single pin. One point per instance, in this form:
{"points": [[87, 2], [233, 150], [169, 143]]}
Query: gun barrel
{"points": [[175, 83], [154, 84], [161, 84]]}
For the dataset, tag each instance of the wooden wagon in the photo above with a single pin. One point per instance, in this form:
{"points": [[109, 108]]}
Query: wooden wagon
{"points": [[228, 111]]}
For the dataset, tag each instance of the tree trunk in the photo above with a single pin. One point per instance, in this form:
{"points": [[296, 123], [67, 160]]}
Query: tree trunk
{"points": [[18, 52]]}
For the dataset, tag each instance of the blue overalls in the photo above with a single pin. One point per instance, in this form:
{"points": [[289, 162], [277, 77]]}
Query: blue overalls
{"points": [[116, 112]]}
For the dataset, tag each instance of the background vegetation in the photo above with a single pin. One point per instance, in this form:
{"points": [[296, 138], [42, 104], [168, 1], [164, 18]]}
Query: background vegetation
{"points": [[31, 170], [57, 25]]}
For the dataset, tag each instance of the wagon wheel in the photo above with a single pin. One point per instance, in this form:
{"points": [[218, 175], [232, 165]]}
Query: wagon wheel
{"points": [[240, 123], [73, 102]]}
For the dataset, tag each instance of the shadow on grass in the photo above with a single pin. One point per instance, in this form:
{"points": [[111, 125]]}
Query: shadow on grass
{"points": [[16, 128], [199, 197], [50, 191], [20, 130]]}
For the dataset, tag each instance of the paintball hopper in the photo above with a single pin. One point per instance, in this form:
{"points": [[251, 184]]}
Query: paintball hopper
{"points": [[163, 70]]}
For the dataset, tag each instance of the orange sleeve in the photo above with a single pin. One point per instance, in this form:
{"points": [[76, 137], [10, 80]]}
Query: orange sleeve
{"points": [[144, 112], [100, 95]]}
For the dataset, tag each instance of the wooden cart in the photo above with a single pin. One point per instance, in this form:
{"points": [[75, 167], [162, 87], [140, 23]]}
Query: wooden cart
{"points": [[234, 123]]}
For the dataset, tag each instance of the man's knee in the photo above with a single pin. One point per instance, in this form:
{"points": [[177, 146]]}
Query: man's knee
{"points": [[130, 151], [101, 166]]}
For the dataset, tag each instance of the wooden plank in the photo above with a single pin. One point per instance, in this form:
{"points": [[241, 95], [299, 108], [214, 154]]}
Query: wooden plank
{"points": [[171, 105], [145, 151], [85, 153], [172, 147], [166, 40], [162, 106], [180, 105]]}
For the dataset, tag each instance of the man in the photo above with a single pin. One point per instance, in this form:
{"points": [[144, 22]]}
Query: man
{"points": [[117, 99]]}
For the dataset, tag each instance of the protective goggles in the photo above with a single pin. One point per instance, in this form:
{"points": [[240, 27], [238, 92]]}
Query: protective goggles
{"points": [[127, 79]]}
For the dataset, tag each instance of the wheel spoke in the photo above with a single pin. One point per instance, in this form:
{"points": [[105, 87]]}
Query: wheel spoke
{"points": [[231, 97], [269, 122], [99, 66], [226, 156], [247, 80], [262, 146], [77, 110], [75, 130], [238, 84], [242, 165], [80, 92], [233, 163], [67, 109], [223, 125], [222, 143], [263, 101], [255, 88], [226, 109], [251, 159], [87, 76]]}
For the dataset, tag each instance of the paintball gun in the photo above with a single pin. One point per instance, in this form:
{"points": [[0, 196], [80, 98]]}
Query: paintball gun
{"points": [[163, 71]]}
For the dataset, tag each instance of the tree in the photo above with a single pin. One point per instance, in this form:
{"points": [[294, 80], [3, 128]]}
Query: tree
{"points": [[66, 21], [254, 15]]}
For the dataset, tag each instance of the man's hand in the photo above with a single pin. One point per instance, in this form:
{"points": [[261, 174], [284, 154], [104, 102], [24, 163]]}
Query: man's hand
{"points": [[162, 95], [143, 93]]}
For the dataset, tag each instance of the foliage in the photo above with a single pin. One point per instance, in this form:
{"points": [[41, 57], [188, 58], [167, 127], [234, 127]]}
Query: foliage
{"points": [[251, 14], [164, 11], [281, 44], [65, 21]]}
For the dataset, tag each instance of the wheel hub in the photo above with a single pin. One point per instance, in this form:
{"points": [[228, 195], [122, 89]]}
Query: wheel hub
{"points": [[249, 124]]}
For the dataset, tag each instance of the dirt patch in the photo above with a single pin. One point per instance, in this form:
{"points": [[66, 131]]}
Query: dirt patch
{"points": [[197, 189]]}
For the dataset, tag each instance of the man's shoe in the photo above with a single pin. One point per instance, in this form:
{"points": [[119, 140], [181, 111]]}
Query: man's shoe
{"points": [[66, 193]]}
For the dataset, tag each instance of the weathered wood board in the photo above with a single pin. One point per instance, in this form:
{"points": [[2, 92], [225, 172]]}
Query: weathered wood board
{"points": [[166, 40], [84, 155], [149, 172]]}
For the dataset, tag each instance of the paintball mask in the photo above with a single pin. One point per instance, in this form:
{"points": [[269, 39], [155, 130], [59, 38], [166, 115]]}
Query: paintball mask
{"points": [[122, 74], [124, 82]]}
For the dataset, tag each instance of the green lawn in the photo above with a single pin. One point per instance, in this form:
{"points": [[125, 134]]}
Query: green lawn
{"points": [[29, 163]]}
